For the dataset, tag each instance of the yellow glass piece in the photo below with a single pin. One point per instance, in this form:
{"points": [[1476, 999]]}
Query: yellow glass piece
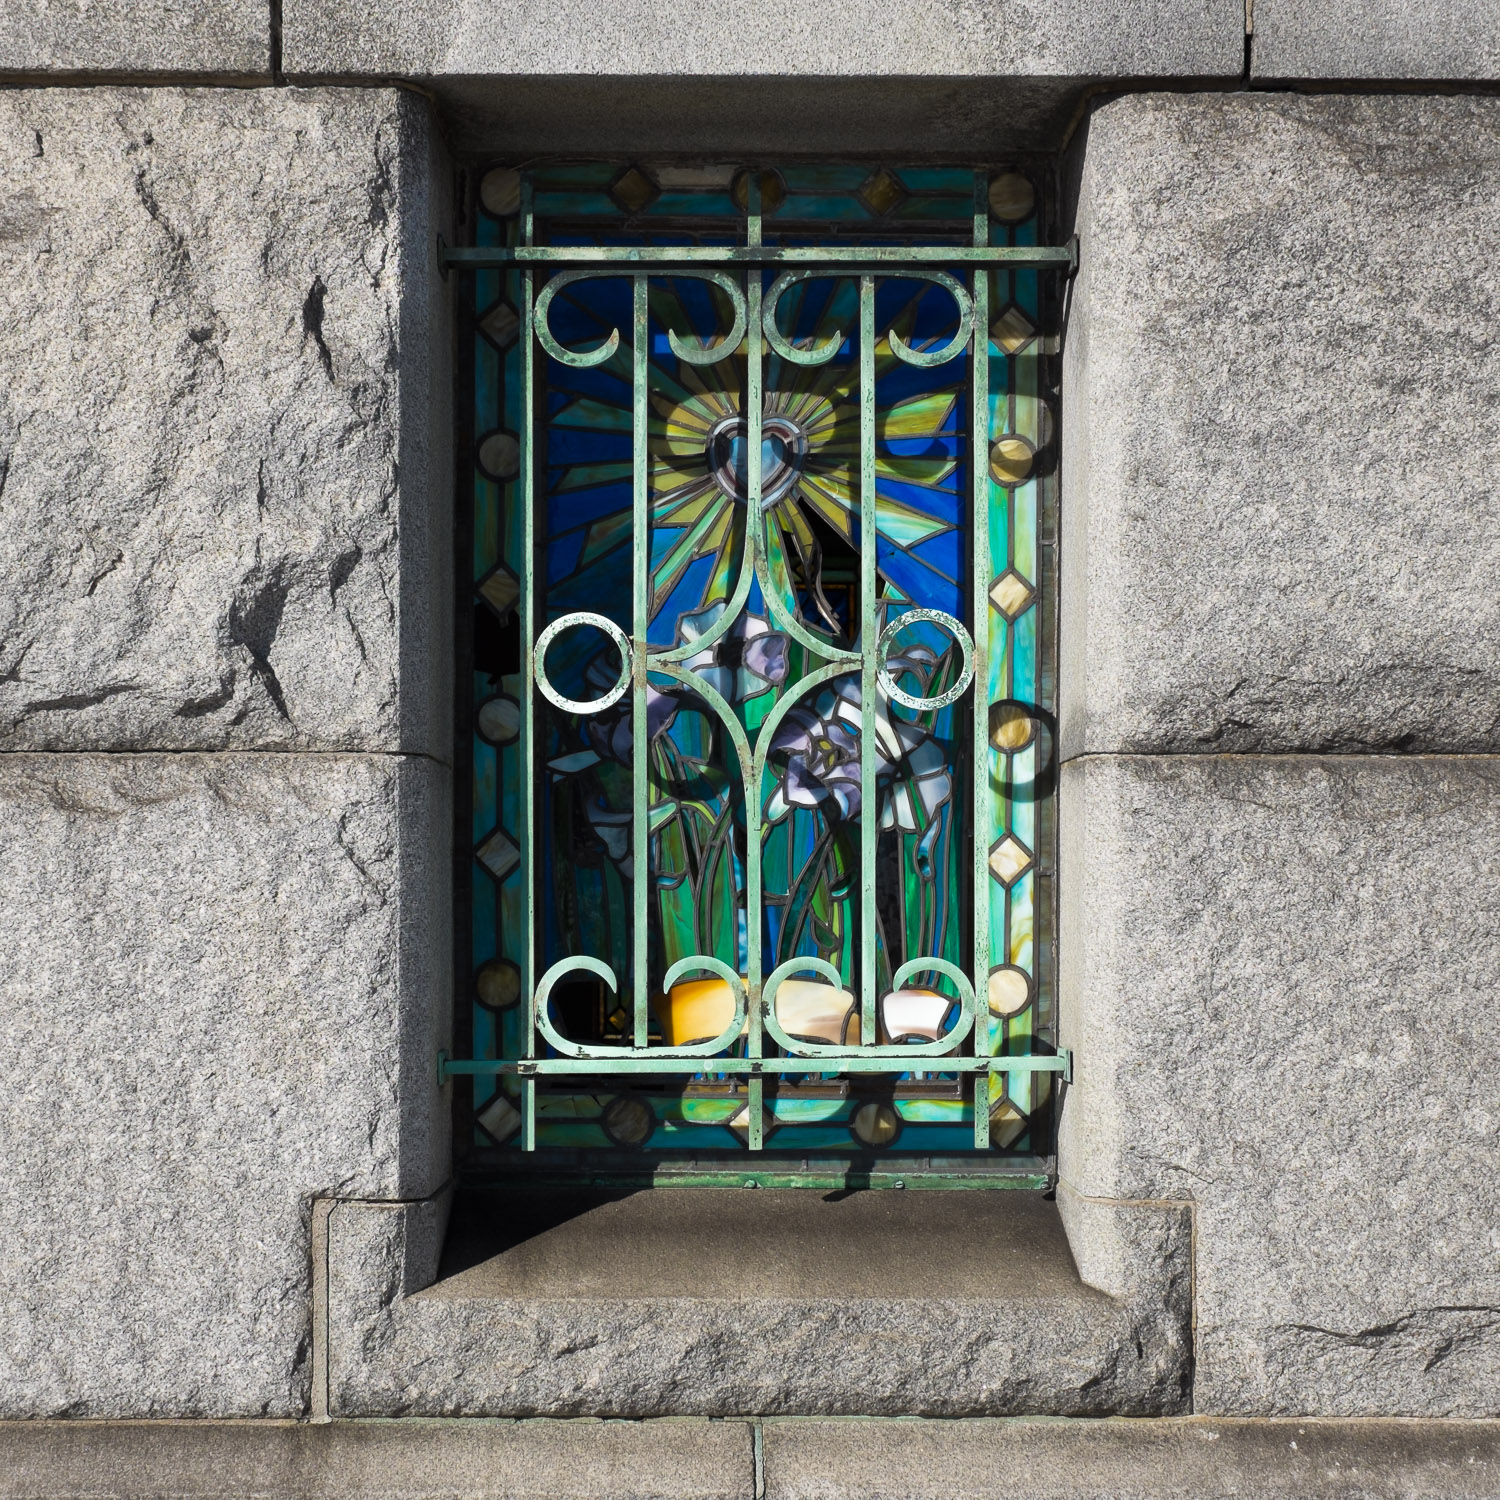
{"points": [[501, 590], [1011, 459], [1007, 1124], [772, 191], [696, 1010], [1012, 330], [876, 1124], [882, 191], [739, 1122], [1010, 593], [1009, 860], [913, 1013], [1012, 197], [816, 1011], [1009, 991], [633, 190], [499, 984], [1011, 727], [500, 191]]}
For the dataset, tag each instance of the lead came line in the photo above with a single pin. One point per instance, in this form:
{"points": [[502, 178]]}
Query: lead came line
{"points": [[869, 820]]}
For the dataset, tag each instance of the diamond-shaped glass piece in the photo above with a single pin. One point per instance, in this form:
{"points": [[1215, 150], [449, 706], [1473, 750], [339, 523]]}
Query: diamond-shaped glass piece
{"points": [[498, 854], [501, 324], [882, 191], [500, 590], [1010, 859], [500, 1118], [739, 1123], [633, 190], [1012, 330], [1007, 1124], [1010, 593]]}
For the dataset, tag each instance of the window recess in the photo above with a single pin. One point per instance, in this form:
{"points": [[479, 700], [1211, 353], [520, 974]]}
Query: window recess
{"points": [[762, 561]]}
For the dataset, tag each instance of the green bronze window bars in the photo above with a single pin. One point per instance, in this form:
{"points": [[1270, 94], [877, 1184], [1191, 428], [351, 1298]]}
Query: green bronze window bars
{"points": [[760, 559]]}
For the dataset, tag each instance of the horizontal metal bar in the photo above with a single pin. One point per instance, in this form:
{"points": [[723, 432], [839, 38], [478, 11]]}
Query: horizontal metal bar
{"points": [[916, 1177], [840, 257], [1061, 1062]]}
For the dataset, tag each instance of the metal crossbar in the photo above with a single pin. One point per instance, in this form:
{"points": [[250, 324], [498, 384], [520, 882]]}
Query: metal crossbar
{"points": [[754, 1045]]}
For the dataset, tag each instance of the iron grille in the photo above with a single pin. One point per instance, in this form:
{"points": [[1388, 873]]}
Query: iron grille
{"points": [[760, 467]]}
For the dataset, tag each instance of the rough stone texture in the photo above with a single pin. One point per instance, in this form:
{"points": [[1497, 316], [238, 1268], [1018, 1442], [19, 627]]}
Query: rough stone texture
{"points": [[374, 1460], [223, 992], [225, 494], [860, 1459], [700, 1302], [1278, 978], [1162, 1460], [874, 75], [728, 38], [1388, 39], [1282, 431], [227, 37]]}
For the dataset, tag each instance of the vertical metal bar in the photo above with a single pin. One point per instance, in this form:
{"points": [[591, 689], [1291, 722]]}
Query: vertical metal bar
{"points": [[754, 533], [980, 589], [525, 802], [640, 754], [869, 631]]}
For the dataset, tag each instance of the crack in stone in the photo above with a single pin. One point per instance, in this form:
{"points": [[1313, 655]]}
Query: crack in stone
{"points": [[312, 324]]}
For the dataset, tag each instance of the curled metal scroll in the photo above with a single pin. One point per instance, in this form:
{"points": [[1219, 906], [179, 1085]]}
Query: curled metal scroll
{"points": [[731, 340], [944, 1045], [822, 353], [579, 359], [603, 971], [954, 628], [768, 1009], [583, 359], [926, 359], [736, 1027], [566, 622], [543, 994]]}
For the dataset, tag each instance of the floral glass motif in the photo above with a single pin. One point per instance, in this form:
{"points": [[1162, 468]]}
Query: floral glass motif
{"points": [[778, 683]]}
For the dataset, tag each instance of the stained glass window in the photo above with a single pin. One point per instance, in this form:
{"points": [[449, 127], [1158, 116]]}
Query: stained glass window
{"points": [[762, 562]]}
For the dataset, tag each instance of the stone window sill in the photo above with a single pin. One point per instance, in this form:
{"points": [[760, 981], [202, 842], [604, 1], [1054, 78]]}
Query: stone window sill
{"points": [[721, 1302]]}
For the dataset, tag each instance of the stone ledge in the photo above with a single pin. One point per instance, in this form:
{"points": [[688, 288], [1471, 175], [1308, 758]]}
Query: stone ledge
{"points": [[227, 38], [856, 1459], [1172, 1459], [705, 1302], [1391, 40], [908, 76]]}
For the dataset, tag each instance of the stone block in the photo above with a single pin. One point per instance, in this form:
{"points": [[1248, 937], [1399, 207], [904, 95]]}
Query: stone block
{"points": [[1278, 979], [707, 1302], [377, 1460], [1282, 427], [634, 75], [225, 38], [225, 482], [224, 989], [1117, 1460], [1386, 39]]}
